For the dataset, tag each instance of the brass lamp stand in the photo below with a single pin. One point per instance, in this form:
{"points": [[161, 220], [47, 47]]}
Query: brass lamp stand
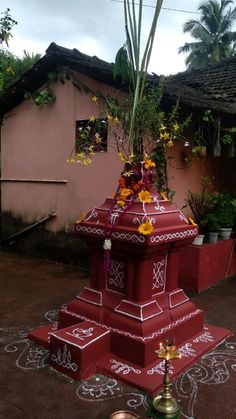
{"points": [[164, 403]]}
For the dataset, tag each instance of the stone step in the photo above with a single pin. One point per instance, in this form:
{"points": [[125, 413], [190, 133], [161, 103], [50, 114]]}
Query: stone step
{"points": [[76, 349]]}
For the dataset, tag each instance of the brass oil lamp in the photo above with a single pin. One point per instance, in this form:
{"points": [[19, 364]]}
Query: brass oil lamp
{"points": [[164, 403]]}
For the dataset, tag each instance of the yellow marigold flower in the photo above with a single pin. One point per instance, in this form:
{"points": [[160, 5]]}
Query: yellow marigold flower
{"points": [[145, 197], [126, 192], [164, 197], [145, 228], [170, 143], [120, 203], [176, 126], [192, 222], [162, 127], [94, 99], [116, 120], [149, 163], [92, 118]]}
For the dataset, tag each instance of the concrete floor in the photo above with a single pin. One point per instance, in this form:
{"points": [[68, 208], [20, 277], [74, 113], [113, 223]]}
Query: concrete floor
{"points": [[30, 389]]}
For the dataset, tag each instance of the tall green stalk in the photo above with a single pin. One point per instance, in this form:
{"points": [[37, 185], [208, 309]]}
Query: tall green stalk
{"points": [[138, 69]]}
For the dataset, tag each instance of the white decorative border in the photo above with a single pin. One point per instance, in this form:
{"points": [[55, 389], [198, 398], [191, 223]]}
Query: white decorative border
{"points": [[178, 304], [175, 235], [143, 339], [129, 237], [76, 345]]}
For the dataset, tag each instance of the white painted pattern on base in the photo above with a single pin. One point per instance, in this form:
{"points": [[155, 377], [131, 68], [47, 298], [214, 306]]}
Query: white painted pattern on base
{"points": [[63, 359], [81, 333], [123, 369], [158, 275], [205, 337], [116, 274], [187, 350], [143, 339], [159, 368]]}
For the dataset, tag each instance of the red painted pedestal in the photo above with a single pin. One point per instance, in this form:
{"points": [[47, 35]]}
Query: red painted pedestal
{"points": [[115, 324], [205, 265]]}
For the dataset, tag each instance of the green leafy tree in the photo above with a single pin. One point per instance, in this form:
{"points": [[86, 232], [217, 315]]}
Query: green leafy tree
{"points": [[213, 33], [6, 25], [12, 67]]}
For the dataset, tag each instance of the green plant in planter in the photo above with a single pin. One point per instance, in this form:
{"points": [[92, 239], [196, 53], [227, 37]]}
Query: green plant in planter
{"points": [[213, 224], [200, 204], [226, 210]]}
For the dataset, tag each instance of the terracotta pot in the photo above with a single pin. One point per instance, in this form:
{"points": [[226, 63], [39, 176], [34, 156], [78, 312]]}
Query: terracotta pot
{"points": [[198, 240]]}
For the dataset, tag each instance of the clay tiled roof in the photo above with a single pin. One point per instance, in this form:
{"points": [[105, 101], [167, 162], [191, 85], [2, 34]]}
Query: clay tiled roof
{"points": [[211, 87]]}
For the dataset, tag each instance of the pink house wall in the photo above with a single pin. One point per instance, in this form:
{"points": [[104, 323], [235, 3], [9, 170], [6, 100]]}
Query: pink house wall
{"points": [[36, 141]]}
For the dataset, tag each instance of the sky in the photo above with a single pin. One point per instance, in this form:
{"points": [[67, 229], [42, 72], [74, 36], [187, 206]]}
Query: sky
{"points": [[96, 27]]}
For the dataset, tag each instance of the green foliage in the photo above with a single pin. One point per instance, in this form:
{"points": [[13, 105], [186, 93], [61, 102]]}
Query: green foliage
{"points": [[6, 25], [42, 97], [226, 210], [214, 38], [200, 204], [11, 67]]}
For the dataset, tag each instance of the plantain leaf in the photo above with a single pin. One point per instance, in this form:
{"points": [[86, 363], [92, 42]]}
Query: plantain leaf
{"points": [[122, 65]]}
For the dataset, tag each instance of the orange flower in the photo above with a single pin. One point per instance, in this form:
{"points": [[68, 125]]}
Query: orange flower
{"points": [[145, 197], [126, 192], [148, 164], [136, 187], [145, 228]]}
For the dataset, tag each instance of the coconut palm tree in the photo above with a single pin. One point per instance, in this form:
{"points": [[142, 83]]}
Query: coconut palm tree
{"points": [[213, 34]]}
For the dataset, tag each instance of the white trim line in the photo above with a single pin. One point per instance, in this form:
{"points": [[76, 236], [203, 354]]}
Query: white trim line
{"points": [[178, 304], [141, 310], [88, 301], [74, 344], [126, 333]]}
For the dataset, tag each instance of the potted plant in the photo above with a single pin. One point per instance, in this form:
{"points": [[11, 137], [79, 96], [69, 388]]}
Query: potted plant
{"points": [[199, 203], [212, 227], [226, 211]]}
